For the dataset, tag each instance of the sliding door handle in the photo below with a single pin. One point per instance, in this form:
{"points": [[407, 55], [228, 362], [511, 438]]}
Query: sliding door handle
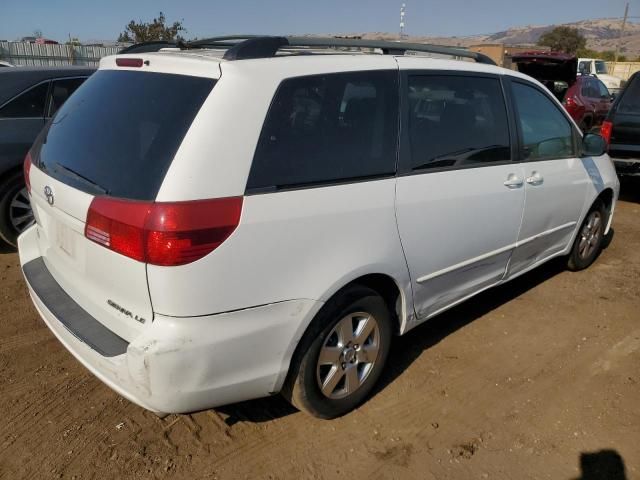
{"points": [[535, 179], [513, 181]]}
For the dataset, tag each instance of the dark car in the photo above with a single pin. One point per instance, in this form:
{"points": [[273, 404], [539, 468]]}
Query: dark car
{"points": [[584, 96], [28, 98], [621, 129]]}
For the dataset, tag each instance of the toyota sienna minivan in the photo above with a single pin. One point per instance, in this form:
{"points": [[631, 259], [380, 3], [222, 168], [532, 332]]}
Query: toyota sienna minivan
{"points": [[233, 218]]}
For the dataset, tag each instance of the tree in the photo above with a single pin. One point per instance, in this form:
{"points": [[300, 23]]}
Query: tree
{"points": [[148, 32], [125, 38], [563, 39], [588, 53]]}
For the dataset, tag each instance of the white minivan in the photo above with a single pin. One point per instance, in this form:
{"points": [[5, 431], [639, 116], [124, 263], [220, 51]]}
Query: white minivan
{"points": [[230, 219]]}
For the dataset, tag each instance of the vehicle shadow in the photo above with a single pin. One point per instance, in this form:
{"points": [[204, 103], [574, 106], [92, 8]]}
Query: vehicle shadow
{"points": [[5, 248], [630, 189], [602, 465], [407, 348]]}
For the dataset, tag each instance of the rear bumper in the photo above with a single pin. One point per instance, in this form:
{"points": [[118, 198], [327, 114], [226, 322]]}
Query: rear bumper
{"points": [[176, 365]]}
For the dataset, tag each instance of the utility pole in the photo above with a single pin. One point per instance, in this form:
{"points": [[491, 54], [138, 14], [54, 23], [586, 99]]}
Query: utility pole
{"points": [[624, 24], [402, 14]]}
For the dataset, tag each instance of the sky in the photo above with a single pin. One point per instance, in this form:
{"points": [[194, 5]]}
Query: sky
{"points": [[104, 20]]}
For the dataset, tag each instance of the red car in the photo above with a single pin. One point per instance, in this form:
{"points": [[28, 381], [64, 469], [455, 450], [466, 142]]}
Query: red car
{"points": [[588, 101], [585, 97]]}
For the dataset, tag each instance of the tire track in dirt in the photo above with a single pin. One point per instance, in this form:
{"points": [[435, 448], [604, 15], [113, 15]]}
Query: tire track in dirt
{"points": [[27, 339]]}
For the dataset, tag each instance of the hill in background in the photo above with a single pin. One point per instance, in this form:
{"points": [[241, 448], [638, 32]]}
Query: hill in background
{"points": [[601, 34]]}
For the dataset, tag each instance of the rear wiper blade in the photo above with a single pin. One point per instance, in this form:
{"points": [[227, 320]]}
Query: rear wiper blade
{"points": [[81, 178]]}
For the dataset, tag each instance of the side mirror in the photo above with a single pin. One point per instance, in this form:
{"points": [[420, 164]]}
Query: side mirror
{"points": [[593, 145]]}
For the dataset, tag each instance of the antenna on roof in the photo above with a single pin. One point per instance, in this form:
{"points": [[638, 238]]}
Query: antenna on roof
{"points": [[402, 14]]}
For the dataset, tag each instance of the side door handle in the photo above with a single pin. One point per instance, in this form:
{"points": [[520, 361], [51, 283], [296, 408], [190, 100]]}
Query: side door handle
{"points": [[535, 179], [513, 181]]}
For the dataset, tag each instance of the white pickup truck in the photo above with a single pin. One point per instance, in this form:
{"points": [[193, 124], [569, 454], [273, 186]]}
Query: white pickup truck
{"points": [[599, 68]]}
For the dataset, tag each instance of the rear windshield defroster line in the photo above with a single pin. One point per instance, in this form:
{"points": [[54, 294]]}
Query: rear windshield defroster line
{"points": [[118, 133]]}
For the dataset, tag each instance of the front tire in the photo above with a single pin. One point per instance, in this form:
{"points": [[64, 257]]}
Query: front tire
{"points": [[590, 239], [342, 354], [15, 208]]}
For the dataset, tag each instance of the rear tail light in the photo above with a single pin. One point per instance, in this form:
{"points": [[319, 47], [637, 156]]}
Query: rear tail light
{"points": [[26, 166], [166, 234], [605, 131], [572, 102]]}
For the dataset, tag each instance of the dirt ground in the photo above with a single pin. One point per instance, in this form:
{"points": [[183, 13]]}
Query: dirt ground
{"points": [[537, 379]]}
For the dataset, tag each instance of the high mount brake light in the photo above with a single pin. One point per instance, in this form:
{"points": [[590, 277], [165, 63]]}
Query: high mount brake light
{"points": [[129, 62], [165, 234]]}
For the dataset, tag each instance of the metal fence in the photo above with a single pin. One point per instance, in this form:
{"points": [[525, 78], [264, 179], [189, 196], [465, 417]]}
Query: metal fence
{"points": [[623, 70], [23, 53]]}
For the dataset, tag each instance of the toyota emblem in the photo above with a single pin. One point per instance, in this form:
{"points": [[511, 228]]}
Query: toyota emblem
{"points": [[49, 194]]}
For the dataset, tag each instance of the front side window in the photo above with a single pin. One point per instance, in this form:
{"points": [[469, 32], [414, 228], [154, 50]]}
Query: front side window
{"points": [[328, 128], [603, 90], [601, 67], [456, 121], [546, 132], [29, 104], [584, 67]]}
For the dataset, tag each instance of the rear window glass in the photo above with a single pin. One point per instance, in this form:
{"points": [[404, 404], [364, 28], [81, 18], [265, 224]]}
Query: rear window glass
{"points": [[630, 101], [120, 130], [328, 128]]}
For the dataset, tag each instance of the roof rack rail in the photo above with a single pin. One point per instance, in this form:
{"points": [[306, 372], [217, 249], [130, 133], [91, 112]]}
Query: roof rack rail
{"points": [[144, 47], [242, 47], [389, 47]]}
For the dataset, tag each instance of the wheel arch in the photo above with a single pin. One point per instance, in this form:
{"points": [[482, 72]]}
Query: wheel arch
{"points": [[396, 293], [10, 172], [606, 196]]}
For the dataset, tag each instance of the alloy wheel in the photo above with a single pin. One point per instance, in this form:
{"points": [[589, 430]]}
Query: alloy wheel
{"points": [[590, 234], [20, 213], [348, 355]]}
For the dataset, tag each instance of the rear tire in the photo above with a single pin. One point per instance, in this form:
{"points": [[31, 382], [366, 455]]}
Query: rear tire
{"points": [[590, 239], [15, 208], [342, 354]]}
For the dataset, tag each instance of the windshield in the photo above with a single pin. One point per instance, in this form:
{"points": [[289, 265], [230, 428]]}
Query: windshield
{"points": [[601, 67], [118, 133]]}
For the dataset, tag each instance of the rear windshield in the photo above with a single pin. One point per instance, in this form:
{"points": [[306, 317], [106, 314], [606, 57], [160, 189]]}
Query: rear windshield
{"points": [[118, 133], [630, 101]]}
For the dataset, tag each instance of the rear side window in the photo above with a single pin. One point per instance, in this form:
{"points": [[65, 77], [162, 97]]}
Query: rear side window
{"points": [[630, 101], [588, 89], [546, 132], [328, 128], [29, 104], [457, 121], [60, 91], [119, 132]]}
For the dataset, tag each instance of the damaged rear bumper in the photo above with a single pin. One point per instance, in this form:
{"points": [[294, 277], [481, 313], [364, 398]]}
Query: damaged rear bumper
{"points": [[178, 365]]}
